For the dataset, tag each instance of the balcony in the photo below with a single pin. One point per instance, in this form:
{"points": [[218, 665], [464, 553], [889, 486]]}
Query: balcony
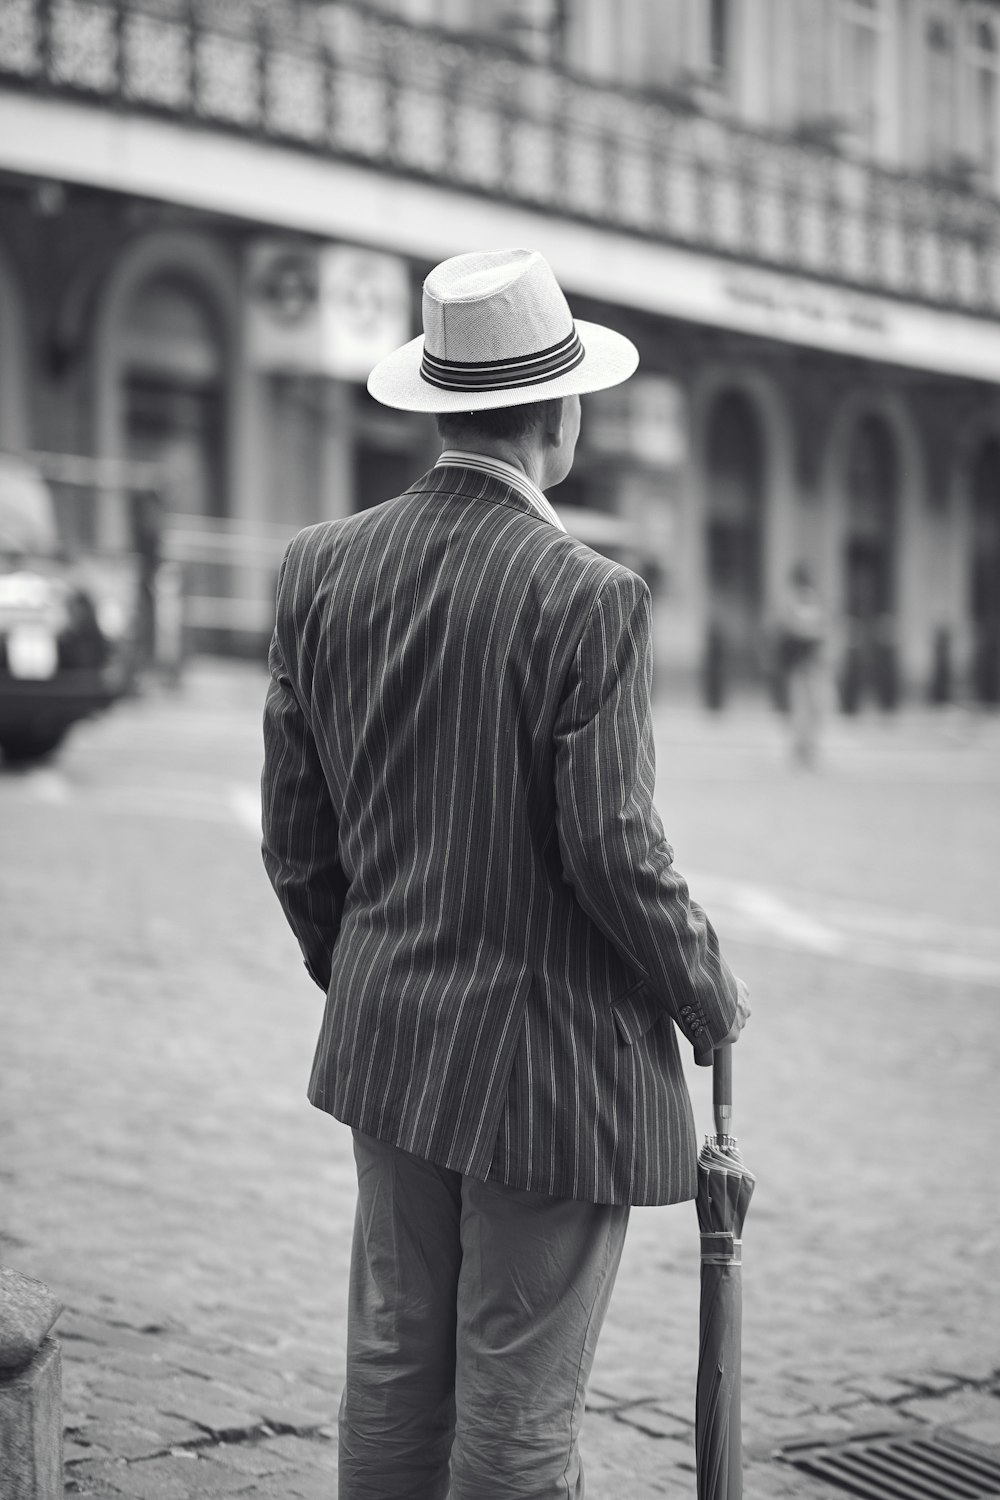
{"points": [[339, 81]]}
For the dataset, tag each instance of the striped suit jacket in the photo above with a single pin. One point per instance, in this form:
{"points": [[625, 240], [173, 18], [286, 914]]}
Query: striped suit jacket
{"points": [[458, 823]]}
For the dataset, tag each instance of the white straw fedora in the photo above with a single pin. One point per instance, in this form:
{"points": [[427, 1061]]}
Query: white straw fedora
{"points": [[498, 332]]}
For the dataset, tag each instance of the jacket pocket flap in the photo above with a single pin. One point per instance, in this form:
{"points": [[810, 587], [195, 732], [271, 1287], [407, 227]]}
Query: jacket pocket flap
{"points": [[635, 1013]]}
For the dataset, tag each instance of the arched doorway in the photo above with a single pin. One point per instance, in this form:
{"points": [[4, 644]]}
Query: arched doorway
{"points": [[171, 364], [169, 385], [172, 369], [735, 492], [870, 667], [984, 582]]}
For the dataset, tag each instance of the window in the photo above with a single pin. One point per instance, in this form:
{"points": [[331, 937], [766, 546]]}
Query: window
{"points": [[983, 96], [428, 12], [641, 43], [736, 480], [719, 38], [812, 59], [872, 522], [984, 582], [940, 55], [533, 26], [861, 54]]}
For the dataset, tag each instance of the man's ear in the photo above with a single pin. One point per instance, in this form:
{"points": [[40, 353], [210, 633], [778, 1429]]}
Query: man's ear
{"points": [[554, 421]]}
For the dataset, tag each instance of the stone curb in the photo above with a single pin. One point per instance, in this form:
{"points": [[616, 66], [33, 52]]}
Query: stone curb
{"points": [[31, 1417]]}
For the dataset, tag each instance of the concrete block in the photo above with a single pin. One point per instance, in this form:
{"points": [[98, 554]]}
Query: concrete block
{"points": [[31, 1437], [872, 1416], [955, 1409], [657, 1423], [27, 1312], [882, 1388], [211, 1416], [96, 1476], [779, 1482], [145, 1437], [309, 1487], [253, 1459], [159, 1479], [305, 1453], [297, 1413], [213, 1479], [598, 1401], [935, 1382]]}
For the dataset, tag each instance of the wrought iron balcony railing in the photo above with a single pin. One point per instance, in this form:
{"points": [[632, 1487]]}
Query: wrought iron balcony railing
{"points": [[339, 80]]}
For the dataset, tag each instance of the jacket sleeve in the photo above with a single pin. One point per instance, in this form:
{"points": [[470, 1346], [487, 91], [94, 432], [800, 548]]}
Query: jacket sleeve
{"points": [[613, 849], [300, 825]]}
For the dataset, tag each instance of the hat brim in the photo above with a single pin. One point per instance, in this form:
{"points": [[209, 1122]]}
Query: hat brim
{"points": [[609, 358]]}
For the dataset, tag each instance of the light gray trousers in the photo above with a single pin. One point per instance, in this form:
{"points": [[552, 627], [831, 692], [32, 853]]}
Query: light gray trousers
{"points": [[474, 1314]]}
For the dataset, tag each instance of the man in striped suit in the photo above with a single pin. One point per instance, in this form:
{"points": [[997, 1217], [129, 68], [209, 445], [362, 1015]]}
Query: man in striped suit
{"points": [[458, 822]]}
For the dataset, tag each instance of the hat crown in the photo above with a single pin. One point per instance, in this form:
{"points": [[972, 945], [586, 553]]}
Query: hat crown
{"points": [[493, 305], [498, 332]]}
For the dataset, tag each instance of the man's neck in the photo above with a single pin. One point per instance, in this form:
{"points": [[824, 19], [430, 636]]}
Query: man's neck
{"points": [[527, 459]]}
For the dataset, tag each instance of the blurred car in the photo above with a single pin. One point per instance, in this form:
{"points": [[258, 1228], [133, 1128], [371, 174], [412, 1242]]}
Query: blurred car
{"points": [[68, 616]]}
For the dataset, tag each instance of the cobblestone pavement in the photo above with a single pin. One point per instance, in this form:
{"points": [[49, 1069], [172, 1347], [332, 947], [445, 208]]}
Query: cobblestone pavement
{"points": [[162, 1171]]}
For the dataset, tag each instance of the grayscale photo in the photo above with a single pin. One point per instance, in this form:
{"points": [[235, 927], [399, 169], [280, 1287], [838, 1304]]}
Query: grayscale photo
{"points": [[499, 749]]}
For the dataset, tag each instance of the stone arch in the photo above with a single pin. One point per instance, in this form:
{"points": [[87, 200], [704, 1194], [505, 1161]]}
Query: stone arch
{"points": [[779, 538], [906, 624], [191, 260], [14, 361]]}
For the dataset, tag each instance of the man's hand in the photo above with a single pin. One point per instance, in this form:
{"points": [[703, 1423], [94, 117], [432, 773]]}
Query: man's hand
{"points": [[704, 1059]]}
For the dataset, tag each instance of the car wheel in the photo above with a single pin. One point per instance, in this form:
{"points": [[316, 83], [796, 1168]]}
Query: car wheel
{"points": [[20, 747]]}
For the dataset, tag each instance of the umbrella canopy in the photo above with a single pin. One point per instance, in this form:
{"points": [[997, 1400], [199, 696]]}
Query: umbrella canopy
{"points": [[724, 1190]]}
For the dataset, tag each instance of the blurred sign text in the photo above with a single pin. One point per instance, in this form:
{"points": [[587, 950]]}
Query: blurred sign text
{"points": [[325, 310]]}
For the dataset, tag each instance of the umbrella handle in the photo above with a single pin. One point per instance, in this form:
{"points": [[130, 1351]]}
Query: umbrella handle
{"points": [[722, 1089]]}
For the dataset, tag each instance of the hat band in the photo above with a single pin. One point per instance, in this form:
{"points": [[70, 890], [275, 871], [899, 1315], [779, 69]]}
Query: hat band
{"points": [[503, 374]]}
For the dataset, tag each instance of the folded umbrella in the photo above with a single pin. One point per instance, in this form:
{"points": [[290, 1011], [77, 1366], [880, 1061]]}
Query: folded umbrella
{"points": [[724, 1190]]}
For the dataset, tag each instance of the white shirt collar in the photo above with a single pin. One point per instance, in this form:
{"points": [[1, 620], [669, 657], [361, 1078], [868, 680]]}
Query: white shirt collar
{"points": [[500, 469]]}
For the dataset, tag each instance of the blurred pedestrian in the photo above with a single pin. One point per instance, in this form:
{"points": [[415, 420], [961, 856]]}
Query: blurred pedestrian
{"points": [[801, 638], [459, 826]]}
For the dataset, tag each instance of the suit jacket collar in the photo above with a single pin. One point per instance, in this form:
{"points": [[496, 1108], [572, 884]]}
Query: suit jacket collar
{"points": [[471, 484], [508, 473]]}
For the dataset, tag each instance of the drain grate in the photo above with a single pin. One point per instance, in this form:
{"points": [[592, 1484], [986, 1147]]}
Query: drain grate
{"points": [[930, 1465]]}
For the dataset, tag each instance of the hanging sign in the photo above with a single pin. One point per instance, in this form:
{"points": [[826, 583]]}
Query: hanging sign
{"points": [[364, 309], [324, 309]]}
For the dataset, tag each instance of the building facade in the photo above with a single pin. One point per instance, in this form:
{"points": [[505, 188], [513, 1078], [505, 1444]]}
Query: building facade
{"points": [[215, 215]]}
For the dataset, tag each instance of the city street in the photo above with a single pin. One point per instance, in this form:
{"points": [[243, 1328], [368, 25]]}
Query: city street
{"points": [[162, 1171]]}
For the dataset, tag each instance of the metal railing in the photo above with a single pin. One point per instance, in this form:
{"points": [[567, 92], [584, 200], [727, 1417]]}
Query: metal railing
{"points": [[340, 80], [228, 569]]}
